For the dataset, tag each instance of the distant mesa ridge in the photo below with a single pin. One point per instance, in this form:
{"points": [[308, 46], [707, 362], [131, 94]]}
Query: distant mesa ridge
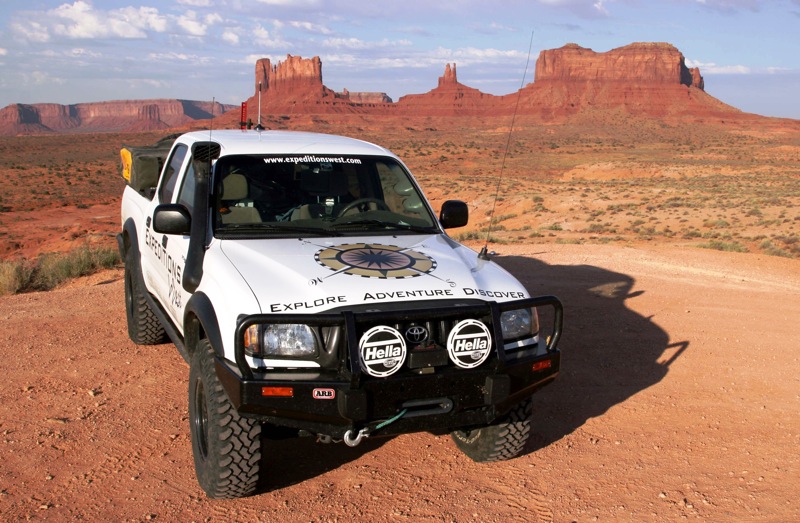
{"points": [[120, 115], [648, 79]]}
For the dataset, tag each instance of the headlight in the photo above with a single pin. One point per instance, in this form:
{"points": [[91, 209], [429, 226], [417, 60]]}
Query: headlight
{"points": [[519, 323], [281, 340]]}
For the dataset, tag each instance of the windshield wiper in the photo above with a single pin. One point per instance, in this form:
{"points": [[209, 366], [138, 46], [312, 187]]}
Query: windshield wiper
{"points": [[386, 225], [283, 227]]}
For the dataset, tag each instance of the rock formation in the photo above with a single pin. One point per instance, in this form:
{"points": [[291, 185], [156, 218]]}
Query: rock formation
{"points": [[449, 98], [289, 78], [366, 97], [637, 63], [123, 115], [646, 79]]}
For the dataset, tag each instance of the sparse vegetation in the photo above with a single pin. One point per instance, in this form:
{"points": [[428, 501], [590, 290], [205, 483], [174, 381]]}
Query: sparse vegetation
{"points": [[724, 246], [622, 181], [50, 270]]}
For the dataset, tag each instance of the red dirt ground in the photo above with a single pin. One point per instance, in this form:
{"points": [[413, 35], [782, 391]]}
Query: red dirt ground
{"points": [[678, 400]]}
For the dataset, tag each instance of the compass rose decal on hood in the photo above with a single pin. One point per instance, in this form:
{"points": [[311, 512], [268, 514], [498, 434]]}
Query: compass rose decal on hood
{"points": [[373, 260]]}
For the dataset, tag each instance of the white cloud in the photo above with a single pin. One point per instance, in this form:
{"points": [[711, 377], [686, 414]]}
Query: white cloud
{"points": [[145, 18], [712, 68], [79, 52], [80, 20], [311, 27], [3, 52], [263, 38], [584, 8], [40, 78], [30, 31], [291, 3], [196, 3], [357, 44], [189, 23], [231, 36], [195, 26], [471, 55]]}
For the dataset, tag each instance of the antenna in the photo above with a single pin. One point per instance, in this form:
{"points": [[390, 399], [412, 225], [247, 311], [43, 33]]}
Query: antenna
{"points": [[211, 122], [259, 127], [484, 254]]}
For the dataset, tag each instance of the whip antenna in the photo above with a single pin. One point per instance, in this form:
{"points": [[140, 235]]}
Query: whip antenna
{"points": [[484, 254], [211, 122]]}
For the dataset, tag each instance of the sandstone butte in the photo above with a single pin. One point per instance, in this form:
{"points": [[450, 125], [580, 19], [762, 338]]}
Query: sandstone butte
{"points": [[640, 79], [120, 115]]}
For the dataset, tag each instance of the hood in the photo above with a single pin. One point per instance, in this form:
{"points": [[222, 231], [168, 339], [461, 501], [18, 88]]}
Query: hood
{"points": [[317, 274]]}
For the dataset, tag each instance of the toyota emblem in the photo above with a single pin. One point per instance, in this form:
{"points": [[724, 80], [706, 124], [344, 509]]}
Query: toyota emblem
{"points": [[417, 334]]}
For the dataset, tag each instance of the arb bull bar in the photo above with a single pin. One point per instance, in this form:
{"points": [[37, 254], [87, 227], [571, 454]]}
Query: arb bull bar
{"points": [[338, 402]]}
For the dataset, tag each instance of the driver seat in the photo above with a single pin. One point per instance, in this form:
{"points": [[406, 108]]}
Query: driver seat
{"points": [[236, 208], [325, 192]]}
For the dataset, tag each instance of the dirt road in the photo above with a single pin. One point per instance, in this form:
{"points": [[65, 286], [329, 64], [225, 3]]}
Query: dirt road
{"points": [[678, 399]]}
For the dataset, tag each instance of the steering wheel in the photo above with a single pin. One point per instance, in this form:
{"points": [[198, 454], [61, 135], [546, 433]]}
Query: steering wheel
{"points": [[357, 204]]}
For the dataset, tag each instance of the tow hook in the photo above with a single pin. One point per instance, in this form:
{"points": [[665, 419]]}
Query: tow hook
{"points": [[351, 441]]}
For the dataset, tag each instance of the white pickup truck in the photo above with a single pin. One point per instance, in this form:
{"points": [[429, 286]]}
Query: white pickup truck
{"points": [[312, 290]]}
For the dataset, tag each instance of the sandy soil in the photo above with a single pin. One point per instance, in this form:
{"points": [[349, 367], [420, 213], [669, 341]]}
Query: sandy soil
{"points": [[678, 400]]}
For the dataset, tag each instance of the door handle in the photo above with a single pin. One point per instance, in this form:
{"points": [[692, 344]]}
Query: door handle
{"points": [[164, 241]]}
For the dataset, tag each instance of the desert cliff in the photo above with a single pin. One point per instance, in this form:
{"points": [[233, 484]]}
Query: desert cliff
{"points": [[640, 79], [120, 115]]}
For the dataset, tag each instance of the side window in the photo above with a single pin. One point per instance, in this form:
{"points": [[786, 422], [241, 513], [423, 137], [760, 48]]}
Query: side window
{"points": [[167, 188], [186, 194]]}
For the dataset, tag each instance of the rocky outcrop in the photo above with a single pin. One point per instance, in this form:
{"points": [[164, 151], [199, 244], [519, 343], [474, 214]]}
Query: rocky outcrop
{"points": [[293, 76], [449, 98], [637, 63], [366, 97], [123, 115], [449, 79], [647, 79]]}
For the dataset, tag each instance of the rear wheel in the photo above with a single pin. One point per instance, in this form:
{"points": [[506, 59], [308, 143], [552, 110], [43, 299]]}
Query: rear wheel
{"points": [[226, 446], [143, 325], [504, 439]]}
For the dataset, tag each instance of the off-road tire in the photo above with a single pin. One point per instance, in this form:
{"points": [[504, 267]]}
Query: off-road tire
{"points": [[143, 325], [226, 446], [504, 439]]}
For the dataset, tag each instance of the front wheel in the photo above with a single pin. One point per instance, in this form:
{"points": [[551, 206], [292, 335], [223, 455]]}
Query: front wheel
{"points": [[226, 446], [143, 325], [504, 439]]}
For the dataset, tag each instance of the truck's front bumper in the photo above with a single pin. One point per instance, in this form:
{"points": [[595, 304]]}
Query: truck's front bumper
{"points": [[440, 400]]}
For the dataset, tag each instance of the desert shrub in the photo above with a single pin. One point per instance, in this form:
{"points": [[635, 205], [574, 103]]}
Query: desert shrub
{"points": [[53, 269], [724, 246], [15, 275], [471, 235], [716, 224], [50, 270]]}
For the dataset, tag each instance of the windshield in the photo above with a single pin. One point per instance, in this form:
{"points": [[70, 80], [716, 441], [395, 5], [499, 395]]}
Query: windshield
{"points": [[297, 196]]}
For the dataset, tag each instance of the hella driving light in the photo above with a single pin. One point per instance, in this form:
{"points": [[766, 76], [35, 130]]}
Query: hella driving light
{"points": [[281, 340], [518, 324]]}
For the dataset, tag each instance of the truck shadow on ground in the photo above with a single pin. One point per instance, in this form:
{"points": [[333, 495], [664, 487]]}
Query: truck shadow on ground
{"points": [[609, 352]]}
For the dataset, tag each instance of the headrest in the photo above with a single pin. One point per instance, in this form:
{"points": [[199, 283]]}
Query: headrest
{"points": [[324, 183], [234, 187]]}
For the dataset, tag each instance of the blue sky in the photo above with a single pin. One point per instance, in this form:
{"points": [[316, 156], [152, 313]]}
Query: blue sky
{"points": [[85, 51]]}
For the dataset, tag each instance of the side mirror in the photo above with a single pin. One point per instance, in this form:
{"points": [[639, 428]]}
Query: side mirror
{"points": [[454, 213], [172, 218]]}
